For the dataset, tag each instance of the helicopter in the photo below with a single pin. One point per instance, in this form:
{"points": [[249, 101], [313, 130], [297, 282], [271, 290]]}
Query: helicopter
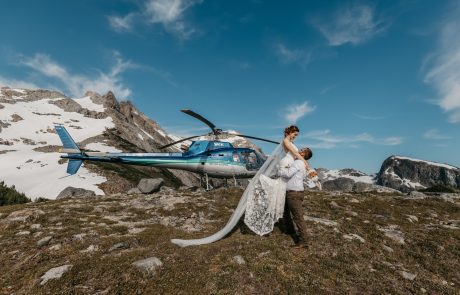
{"points": [[208, 158]]}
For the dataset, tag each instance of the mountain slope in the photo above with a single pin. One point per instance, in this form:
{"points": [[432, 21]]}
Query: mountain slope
{"points": [[29, 145]]}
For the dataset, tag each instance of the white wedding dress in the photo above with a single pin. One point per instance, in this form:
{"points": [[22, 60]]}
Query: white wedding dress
{"points": [[266, 205], [262, 202]]}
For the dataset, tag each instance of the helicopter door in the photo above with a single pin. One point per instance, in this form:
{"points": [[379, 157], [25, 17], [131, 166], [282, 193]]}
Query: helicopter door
{"points": [[251, 160]]}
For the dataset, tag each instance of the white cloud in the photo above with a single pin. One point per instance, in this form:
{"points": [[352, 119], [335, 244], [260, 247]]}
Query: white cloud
{"points": [[168, 13], [288, 55], [435, 134], [444, 73], [326, 140], [295, 112], [13, 83], [122, 24], [75, 84], [354, 25]]}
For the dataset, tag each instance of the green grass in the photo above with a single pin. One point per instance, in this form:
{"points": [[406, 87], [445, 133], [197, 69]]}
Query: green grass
{"points": [[331, 265]]}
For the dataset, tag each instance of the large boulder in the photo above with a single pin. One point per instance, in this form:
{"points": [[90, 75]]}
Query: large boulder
{"points": [[339, 184], [150, 185], [71, 192], [406, 174]]}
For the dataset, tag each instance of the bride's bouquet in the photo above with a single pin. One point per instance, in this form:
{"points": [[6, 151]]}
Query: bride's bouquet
{"points": [[312, 179]]}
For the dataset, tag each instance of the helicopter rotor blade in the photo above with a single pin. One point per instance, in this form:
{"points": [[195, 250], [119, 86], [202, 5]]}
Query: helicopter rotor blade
{"points": [[183, 139], [257, 138], [202, 119]]}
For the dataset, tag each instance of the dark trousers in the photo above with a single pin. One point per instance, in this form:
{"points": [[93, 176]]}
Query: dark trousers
{"points": [[294, 205]]}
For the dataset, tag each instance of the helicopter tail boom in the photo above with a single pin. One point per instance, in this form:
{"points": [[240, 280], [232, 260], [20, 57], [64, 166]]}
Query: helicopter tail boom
{"points": [[69, 147]]}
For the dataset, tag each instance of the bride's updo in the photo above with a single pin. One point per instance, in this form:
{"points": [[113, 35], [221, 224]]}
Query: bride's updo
{"points": [[290, 129]]}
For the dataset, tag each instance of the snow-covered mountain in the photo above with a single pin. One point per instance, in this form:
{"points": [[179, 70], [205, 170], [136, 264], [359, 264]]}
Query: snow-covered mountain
{"points": [[408, 174], [28, 143]]}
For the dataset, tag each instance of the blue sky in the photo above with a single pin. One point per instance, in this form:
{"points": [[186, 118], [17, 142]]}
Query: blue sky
{"points": [[363, 80]]}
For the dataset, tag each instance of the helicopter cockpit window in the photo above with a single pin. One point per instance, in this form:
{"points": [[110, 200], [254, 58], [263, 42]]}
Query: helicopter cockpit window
{"points": [[235, 157], [197, 147]]}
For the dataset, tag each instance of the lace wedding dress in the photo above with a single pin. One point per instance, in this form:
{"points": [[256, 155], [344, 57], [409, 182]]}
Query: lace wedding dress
{"points": [[262, 202], [266, 205]]}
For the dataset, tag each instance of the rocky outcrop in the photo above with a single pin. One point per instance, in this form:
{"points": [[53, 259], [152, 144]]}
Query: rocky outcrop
{"points": [[70, 192], [406, 174]]}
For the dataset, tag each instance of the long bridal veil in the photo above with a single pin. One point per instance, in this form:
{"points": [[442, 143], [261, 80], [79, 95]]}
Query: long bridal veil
{"points": [[256, 194]]}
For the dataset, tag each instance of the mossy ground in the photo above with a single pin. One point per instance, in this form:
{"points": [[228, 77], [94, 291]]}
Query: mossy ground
{"points": [[331, 264]]}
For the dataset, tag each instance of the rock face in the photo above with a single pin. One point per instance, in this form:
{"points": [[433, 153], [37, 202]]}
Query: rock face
{"points": [[70, 192], [406, 174]]}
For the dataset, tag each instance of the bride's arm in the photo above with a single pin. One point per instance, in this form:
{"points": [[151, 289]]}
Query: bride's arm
{"points": [[288, 146]]}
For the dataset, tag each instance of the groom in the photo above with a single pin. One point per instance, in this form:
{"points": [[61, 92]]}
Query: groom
{"points": [[296, 174]]}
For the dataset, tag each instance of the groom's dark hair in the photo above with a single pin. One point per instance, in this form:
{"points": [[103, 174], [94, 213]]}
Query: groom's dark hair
{"points": [[308, 153]]}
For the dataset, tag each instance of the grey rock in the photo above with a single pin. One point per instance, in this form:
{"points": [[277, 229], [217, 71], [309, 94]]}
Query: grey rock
{"points": [[134, 191], [36, 226], [239, 259], [396, 236], [351, 237], [91, 248], [150, 185], [23, 233], [362, 187], [407, 275], [417, 195], [388, 249], [323, 221], [56, 247], [23, 215], [119, 246], [55, 273], [150, 265], [45, 241], [339, 184], [412, 218], [71, 192]]}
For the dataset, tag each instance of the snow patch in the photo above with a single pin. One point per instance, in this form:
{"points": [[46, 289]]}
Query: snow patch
{"points": [[336, 173], [87, 103], [39, 174], [102, 147], [427, 162]]}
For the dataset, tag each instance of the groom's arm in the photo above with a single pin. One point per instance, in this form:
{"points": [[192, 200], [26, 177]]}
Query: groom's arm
{"points": [[289, 172]]}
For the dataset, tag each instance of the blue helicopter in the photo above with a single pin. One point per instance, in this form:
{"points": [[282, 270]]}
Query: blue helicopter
{"points": [[209, 158]]}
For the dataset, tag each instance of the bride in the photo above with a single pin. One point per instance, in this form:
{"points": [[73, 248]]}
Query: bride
{"points": [[263, 200]]}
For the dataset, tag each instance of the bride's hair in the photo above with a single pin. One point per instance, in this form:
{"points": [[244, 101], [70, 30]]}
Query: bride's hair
{"points": [[290, 129]]}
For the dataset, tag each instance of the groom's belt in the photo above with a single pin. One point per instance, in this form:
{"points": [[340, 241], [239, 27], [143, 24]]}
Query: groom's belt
{"points": [[292, 191]]}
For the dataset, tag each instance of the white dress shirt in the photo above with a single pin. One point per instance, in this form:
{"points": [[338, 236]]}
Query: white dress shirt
{"points": [[296, 174]]}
